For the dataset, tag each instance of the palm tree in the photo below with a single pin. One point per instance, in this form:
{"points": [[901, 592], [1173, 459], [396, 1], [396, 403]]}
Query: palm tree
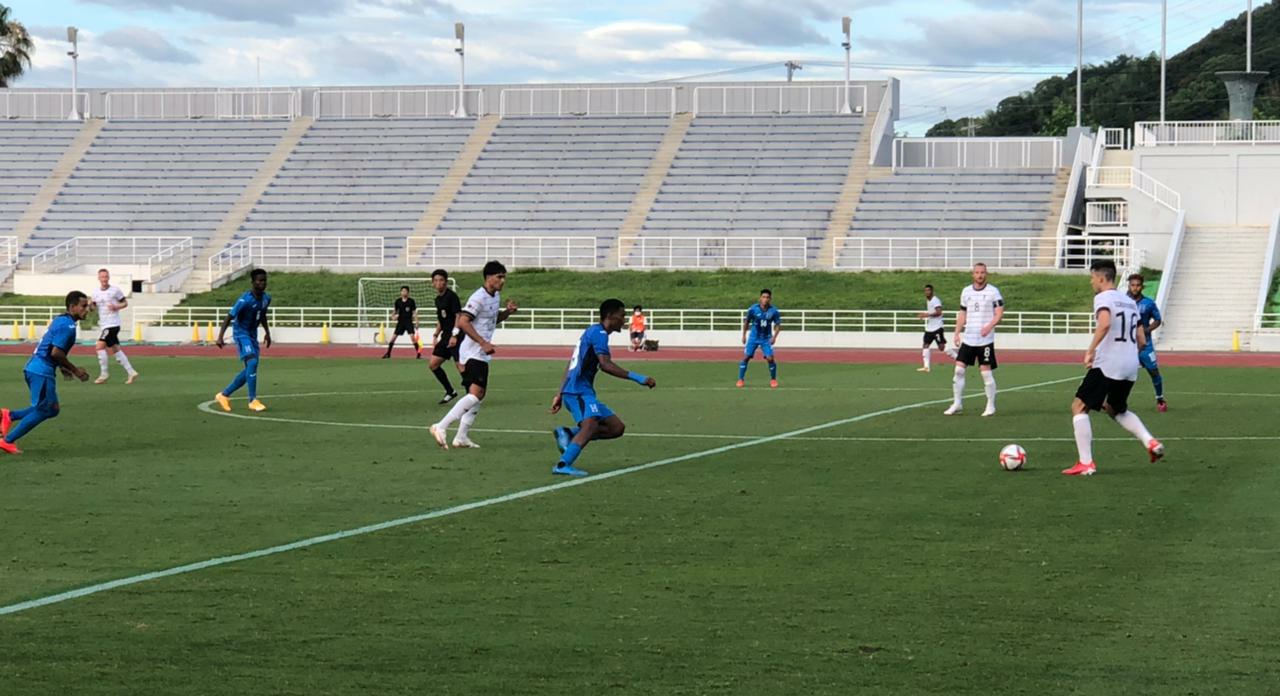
{"points": [[15, 48]]}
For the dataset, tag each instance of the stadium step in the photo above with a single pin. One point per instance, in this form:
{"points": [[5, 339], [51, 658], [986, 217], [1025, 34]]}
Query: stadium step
{"points": [[451, 184], [1057, 201], [855, 180], [647, 195], [62, 171], [1215, 287]]}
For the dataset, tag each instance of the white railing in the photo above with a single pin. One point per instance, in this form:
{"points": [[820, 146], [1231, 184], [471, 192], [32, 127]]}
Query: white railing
{"points": [[587, 101], [977, 153], [8, 251], [777, 99], [1171, 259], [514, 252], [1106, 214], [1153, 133], [883, 123], [1269, 321], [1117, 138], [1268, 266], [1132, 178], [230, 261], [157, 253], [714, 252], [394, 103], [22, 316], [43, 106], [961, 253], [298, 253], [211, 104], [176, 257], [1072, 196], [821, 320]]}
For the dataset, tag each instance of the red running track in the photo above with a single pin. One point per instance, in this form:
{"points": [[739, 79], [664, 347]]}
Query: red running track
{"points": [[794, 355]]}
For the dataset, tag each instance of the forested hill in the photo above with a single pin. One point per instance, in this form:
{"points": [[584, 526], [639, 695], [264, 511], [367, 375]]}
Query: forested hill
{"points": [[1126, 89]]}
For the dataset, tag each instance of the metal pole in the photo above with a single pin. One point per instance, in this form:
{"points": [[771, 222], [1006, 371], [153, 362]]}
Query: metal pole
{"points": [[73, 35], [1079, 58], [846, 23], [1248, 38], [459, 31], [1164, 35]]}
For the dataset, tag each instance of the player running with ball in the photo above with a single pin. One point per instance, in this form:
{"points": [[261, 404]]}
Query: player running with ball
{"points": [[578, 392]]}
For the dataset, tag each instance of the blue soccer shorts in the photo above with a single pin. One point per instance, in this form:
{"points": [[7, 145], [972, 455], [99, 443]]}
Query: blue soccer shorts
{"points": [[584, 406], [764, 345], [44, 391], [1147, 358], [248, 347]]}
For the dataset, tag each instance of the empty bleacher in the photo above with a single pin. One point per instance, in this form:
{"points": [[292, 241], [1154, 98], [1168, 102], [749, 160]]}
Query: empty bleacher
{"points": [[28, 153], [947, 203], [157, 179], [359, 178]]}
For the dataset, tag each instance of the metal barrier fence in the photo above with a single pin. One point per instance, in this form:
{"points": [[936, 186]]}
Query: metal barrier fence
{"points": [[515, 252], [1132, 178], [41, 106], [8, 251], [234, 104], [977, 153], [1269, 321], [961, 253], [1151, 133], [714, 252], [394, 103], [587, 101], [285, 252], [777, 99], [1106, 214], [163, 256], [1117, 138]]}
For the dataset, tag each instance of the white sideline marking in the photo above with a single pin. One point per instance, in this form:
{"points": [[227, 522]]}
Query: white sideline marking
{"points": [[456, 509]]}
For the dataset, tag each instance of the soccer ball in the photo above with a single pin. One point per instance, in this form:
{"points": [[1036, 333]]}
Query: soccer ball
{"points": [[1012, 457]]}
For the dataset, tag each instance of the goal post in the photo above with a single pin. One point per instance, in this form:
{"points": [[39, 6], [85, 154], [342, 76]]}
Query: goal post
{"points": [[376, 299]]}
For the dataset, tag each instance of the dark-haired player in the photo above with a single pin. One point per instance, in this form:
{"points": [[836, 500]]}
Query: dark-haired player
{"points": [[447, 335], [1149, 320], [760, 329], [248, 314], [50, 357], [934, 333], [405, 317], [595, 421]]}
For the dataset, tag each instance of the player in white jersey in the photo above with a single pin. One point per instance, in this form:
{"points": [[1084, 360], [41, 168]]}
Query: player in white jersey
{"points": [[109, 300], [981, 309], [479, 318], [934, 333], [1112, 363]]}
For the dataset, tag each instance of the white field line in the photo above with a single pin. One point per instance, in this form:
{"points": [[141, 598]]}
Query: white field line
{"points": [[465, 507]]}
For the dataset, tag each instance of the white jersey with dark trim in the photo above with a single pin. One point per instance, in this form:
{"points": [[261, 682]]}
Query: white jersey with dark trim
{"points": [[483, 309], [980, 308], [1117, 354], [933, 323], [108, 318]]}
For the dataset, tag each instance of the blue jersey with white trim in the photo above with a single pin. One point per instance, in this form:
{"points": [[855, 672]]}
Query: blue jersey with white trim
{"points": [[760, 321], [60, 334], [1147, 313], [585, 363], [248, 313]]}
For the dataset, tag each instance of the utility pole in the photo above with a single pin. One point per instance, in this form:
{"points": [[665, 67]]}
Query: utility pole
{"points": [[792, 66], [459, 31], [846, 23]]}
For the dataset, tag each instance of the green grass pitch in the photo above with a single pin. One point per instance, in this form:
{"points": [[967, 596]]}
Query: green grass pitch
{"points": [[889, 555]]}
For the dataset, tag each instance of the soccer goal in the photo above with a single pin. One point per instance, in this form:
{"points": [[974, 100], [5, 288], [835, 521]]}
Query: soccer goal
{"points": [[376, 300]]}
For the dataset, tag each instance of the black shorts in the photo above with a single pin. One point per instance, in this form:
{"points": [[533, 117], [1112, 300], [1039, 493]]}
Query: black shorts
{"points": [[475, 372], [938, 337], [402, 329], [110, 336], [977, 355], [637, 335], [1097, 389], [442, 349]]}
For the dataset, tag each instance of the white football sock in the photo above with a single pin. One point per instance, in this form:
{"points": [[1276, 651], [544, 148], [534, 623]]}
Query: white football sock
{"points": [[464, 404], [464, 425], [124, 362], [102, 361], [925, 355], [1084, 437], [957, 385], [989, 385], [951, 353], [1131, 422]]}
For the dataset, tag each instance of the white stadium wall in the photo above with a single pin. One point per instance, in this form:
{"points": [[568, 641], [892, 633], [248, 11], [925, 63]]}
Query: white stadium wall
{"points": [[1222, 185]]}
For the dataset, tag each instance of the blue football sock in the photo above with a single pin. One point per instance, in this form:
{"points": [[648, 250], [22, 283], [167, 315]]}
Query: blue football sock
{"points": [[773, 370], [742, 369], [235, 383], [19, 415], [571, 454], [35, 417], [251, 376], [1157, 381]]}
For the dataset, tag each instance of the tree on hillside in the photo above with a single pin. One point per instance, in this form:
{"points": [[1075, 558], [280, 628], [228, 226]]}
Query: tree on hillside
{"points": [[15, 48]]}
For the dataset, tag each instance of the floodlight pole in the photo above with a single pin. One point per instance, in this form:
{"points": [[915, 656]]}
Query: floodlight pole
{"points": [[460, 32], [1164, 35], [73, 36], [1079, 59], [845, 24]]}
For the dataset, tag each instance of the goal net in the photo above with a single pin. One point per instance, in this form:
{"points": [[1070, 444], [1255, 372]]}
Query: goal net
{"points": [[376, 301]]}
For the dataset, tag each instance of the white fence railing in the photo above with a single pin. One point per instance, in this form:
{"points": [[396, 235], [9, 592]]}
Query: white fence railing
{"points": [[394, 103], [162, 256], [880, 127], [1106, 214], [1171, 259], [961, 253], [977, 153], [211, 104], [22, 316], [1268, 265], [1074, 194], [777, 99], [8, 251], [587, 101], [1132, 178], [1268, 321], [1117, 138], [821, 320], [713, 252], [515, 252], [297, 253], [1152, 133], [43, 106]]}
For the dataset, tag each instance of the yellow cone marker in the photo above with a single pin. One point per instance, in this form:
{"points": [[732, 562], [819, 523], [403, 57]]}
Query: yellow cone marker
{"points": [[195, 333], [324, 334]]}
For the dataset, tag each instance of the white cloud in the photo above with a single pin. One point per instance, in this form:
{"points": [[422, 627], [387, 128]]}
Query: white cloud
{"points": [[148, 45]]}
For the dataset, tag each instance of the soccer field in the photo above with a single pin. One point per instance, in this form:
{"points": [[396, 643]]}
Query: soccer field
{"points": [[837, 535]]}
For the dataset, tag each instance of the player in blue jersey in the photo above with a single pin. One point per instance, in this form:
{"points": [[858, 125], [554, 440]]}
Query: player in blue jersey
{"points": [[578, 392], [760, 329], [1149, 319], [248, 313], [49, 358]]}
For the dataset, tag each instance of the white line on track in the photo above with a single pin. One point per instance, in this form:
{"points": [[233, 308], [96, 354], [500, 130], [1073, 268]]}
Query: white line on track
{"points": [[465, 507]]}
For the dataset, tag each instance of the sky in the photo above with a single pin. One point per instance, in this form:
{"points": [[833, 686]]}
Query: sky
{"points": [[964, 46]]}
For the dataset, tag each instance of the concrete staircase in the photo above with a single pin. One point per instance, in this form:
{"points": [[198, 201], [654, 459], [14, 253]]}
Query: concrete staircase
{"points": [[62, 171], [647, 194], [200, 279], [1215, 288], [452, 182], [860, 170], [1049, 235]]}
